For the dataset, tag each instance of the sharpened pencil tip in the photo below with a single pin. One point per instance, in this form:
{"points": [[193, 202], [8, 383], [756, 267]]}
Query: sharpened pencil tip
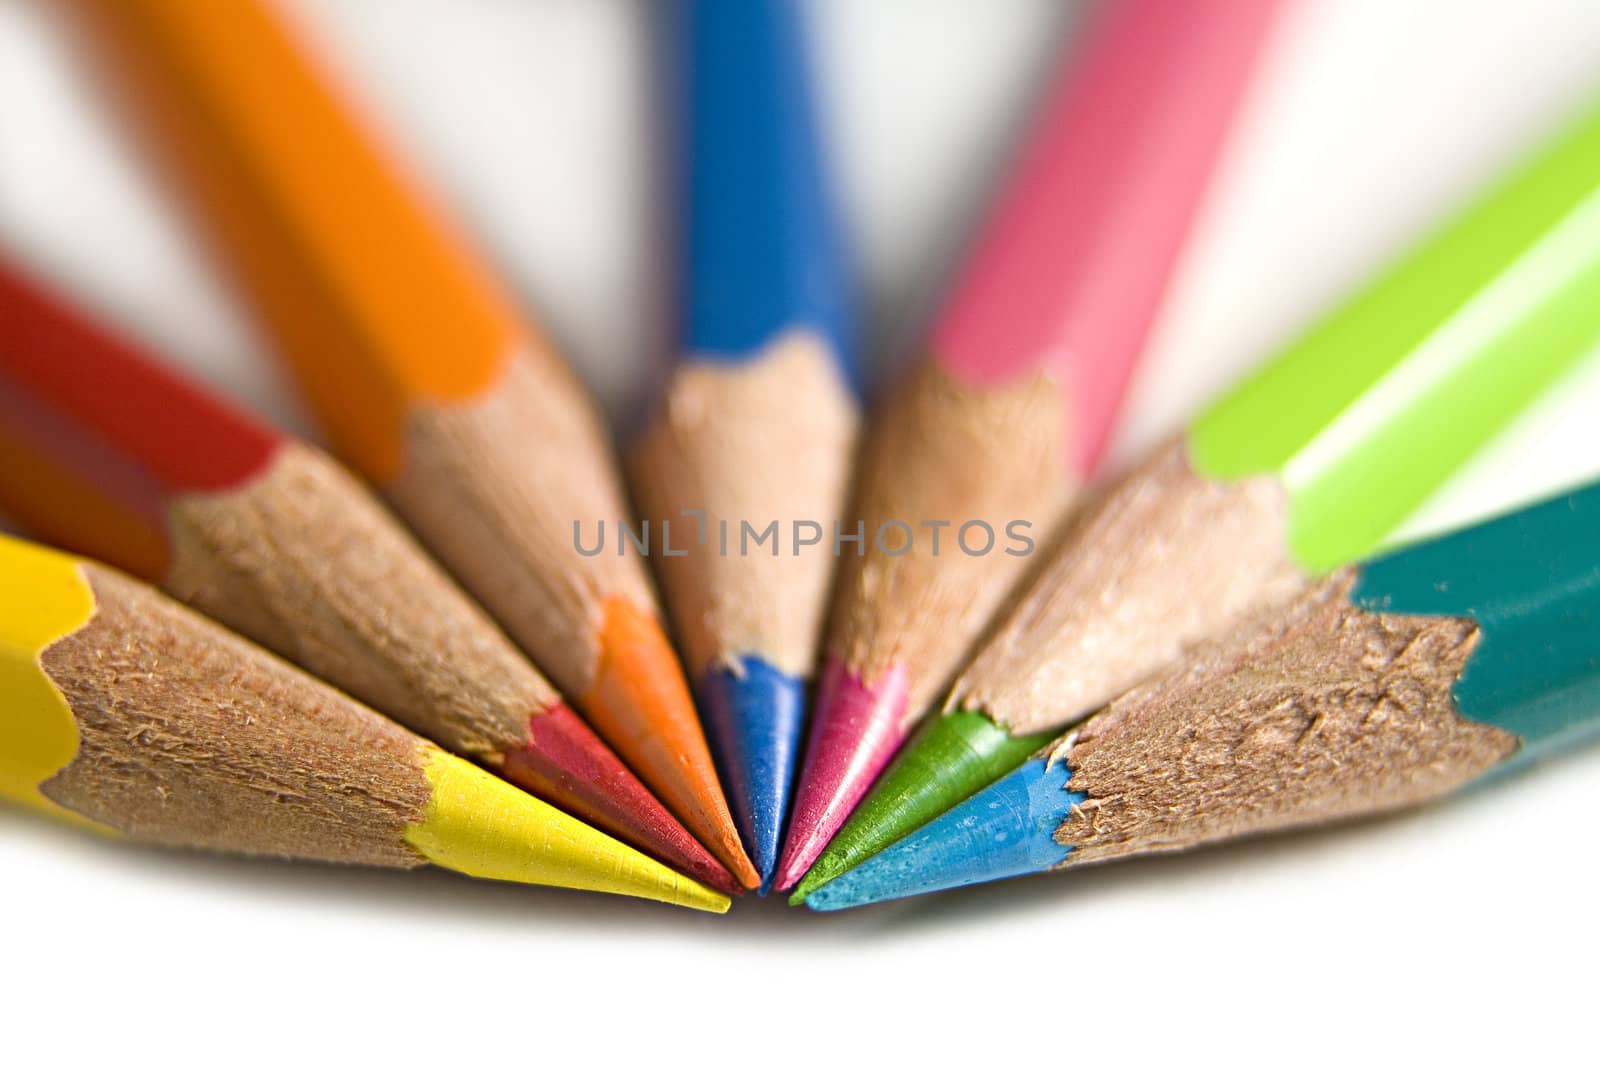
{"points": [[754, 718], [948, 760], [482, 826], [640, 704], [565, 763], [1004, 831], [858, 727]]}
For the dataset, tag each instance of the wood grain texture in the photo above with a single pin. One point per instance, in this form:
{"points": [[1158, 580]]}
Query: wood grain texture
{"points": [[1165, 559], [494, 485], [192, 737], [306, 562], [126, 711], [945, 451], [735, 442], [1317, 712], [906, 614]]}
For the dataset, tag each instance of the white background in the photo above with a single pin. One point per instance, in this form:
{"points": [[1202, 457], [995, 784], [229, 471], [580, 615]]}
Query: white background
{"points": [[1466, 928]]}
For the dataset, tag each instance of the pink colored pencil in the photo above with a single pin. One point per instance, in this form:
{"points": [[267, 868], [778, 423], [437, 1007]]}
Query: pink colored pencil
{"points": [[981, 449]]}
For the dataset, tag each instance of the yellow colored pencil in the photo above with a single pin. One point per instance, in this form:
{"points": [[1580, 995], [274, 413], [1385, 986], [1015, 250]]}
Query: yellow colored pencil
{"points": [[124, 710]]}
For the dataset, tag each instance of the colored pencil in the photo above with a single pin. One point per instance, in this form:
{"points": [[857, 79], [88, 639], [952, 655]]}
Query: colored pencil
{"points": [[105, 452], [1024, 369], [1304, 467], [1385, 685], [127, 711], [758, 419], [425, 379]]}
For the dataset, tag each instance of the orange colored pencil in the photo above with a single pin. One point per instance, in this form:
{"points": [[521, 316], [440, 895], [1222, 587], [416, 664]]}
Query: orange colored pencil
{"points": [[422, 374]]}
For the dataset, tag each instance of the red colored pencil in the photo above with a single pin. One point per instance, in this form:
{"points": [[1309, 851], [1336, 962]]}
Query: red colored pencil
{"points": [[106, 452]]}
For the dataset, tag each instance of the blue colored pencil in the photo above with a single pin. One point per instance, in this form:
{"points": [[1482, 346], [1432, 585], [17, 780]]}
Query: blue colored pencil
{"points": [[1385, 685], [758, 417]]}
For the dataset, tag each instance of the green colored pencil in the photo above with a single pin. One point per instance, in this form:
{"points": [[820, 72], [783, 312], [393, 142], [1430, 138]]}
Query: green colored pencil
{"points": [[1306, 466], [1380, 687]]}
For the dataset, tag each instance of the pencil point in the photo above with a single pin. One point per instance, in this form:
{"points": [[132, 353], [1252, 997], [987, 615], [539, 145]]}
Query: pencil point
{"points": [[754, 719], [1004, 831], [857, 729], [566, 764], [948, 760], [641, 705], [481, 826]]}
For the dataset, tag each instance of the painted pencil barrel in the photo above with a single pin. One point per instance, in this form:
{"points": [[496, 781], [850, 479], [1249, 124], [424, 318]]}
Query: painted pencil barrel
{"points": [[1074, 255], [761, 248], [360, 267], [1530, 582], [97, 441], [1425, 362]]}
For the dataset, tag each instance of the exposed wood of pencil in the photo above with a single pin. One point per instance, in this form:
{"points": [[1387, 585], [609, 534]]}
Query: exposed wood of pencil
{"points": [[107, 452], [427, 380], [758, 441], [307, 563], [469, 488], [1162, 560], [590, 623], [141, 716], [191, 738], [423, 374], [494, 487], [1319, 711], [945, 452]]}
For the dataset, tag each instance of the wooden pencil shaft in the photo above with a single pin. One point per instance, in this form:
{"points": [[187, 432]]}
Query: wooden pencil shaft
{"points": [[191, 737]]}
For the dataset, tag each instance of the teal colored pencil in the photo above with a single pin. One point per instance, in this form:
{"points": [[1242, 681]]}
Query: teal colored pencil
{"points": [[1385, 685]]}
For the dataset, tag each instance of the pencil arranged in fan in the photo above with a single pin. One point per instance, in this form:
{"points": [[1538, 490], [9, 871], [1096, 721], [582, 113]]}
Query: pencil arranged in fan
{"points": [[423, 376], [125, 710], [981, 449], [1304, 467], [753, 434], [1383, 686], [105, 452]]}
